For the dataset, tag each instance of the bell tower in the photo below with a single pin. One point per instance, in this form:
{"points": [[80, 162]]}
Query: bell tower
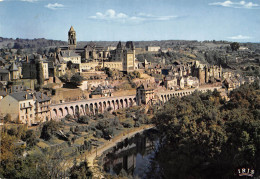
{"points": [[72, 39]]}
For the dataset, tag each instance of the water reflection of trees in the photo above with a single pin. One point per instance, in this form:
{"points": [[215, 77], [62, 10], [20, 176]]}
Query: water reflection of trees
{"points": [[123, 155]]}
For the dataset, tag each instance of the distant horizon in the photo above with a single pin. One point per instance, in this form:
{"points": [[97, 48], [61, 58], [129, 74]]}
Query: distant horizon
{"points": [[124, 40]]}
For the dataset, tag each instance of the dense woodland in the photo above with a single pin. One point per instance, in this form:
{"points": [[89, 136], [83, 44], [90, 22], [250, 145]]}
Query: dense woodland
{"points": [[205, 136], [29, 43]]}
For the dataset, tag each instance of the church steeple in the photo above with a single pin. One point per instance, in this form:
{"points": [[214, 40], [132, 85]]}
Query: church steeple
{"points": [[72, 39]]}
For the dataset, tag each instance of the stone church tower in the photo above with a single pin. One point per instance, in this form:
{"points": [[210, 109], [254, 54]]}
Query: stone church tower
{"points": [[129, 57], [72, 39]]}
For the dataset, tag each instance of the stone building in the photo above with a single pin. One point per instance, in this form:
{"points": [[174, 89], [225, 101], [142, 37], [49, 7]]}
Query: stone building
{"points": [[4, 74], [92, 51], [102, 91], [70, 55], [181, 82], [113, 65], [126, 55], [192, 82], [10, 73], [29, 69], [14, 72], [26, 107], [20, 106], [129, 57], [42, 110], [205, 73], [120, 58], [170, 82], [145, 94], [36, 68], [152, 48]]}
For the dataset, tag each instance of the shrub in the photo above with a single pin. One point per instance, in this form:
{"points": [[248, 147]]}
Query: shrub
{"points": [[68, 117], [127, 115], [127, 124], [102, 124], [108, 132], [49, 129], [30, 138], [115, 122], [12, 131], [137, 124], [83, 119], [76, 79], [98, 134]]}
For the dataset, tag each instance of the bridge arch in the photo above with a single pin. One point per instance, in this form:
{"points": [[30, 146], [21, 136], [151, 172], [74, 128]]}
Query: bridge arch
{"points": [[82, 111], [60, 113], [117, 104], [55, 112], [95, 108], [126, 103], [121, 103], [72, 110], [131, 103], [66, 111], [104, 105], [77, 111], [91, 109], [100, 107]]}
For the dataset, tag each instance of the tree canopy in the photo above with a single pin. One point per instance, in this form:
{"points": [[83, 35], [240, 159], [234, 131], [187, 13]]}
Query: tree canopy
{"points": [[206, 137], [234, 46]]}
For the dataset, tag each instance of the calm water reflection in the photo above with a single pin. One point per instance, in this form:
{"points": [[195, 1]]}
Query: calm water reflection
{"points": [[132, 155]]}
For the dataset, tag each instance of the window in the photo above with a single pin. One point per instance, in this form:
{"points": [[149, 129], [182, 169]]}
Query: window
{"points": [[30, 115]]}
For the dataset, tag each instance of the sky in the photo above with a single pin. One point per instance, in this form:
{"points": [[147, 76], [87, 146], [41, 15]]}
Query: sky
{"points": [[136, 20]]}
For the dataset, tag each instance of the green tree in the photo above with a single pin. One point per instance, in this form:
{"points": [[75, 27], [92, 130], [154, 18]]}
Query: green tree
{"points": [[31, 138], [49, 129], [204, 136], [76, 79], [234, 46], [80, 171], [19, 52]]}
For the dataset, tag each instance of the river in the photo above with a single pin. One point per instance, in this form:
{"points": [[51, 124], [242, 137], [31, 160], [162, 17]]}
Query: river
{"points": [[132, 155]]}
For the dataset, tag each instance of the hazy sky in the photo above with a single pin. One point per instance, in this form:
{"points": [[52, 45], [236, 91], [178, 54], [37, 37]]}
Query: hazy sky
{"points": [[132, 19]]}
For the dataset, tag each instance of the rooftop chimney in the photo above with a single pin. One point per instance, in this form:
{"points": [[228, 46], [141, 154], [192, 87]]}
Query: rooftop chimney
{"points": [[27, 60], [25, 96]]}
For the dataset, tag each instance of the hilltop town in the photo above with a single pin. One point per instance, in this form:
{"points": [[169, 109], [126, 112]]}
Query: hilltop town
{"points": [[74, 97], [46, 85]]}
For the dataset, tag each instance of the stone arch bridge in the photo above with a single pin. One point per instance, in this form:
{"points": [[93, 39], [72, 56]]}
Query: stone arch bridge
{"points": [[91, 106], [166, 96], [100, 105]]}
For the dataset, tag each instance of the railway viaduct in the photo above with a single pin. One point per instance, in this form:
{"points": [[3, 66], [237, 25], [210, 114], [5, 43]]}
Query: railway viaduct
{"points": [[100, 105], [166, 96], [91, 106]]}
